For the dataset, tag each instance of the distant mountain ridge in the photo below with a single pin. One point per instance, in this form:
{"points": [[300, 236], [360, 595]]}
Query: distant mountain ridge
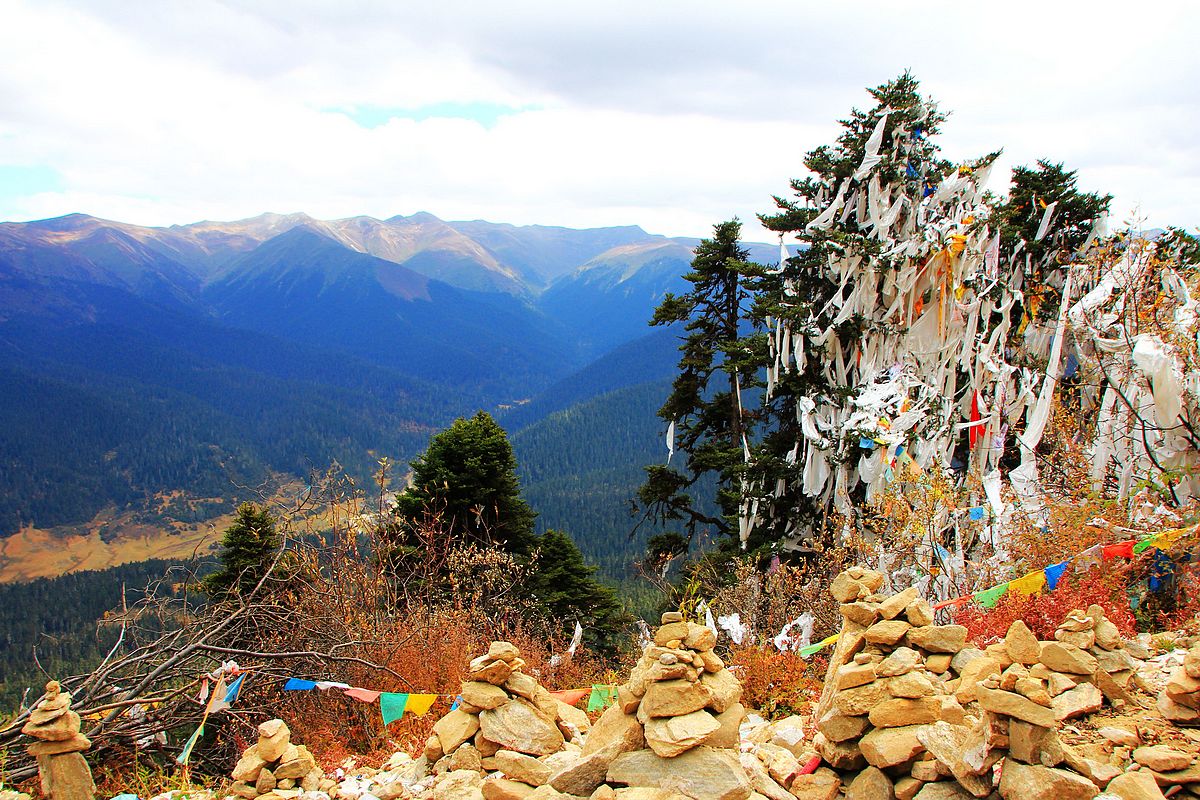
{"points": [[191, 360]]}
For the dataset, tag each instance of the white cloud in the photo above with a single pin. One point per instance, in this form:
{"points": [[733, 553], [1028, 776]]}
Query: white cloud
{"points": [[670, 115]]}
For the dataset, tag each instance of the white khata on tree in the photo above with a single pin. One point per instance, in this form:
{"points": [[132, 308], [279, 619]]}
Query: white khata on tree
{"points": [[924, 325]]}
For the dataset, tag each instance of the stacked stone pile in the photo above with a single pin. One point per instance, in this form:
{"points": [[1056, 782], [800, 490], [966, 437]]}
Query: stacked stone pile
{"points": [[274, 768], [909, 711], [1179, 700], [64, 772], [674, 727], [507, 724]]}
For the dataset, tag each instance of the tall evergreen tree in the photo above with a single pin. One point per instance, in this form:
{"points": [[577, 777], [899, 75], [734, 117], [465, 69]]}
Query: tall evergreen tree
{"points": [[248, 549], [466, 483], [706, 410], [564, 584]]}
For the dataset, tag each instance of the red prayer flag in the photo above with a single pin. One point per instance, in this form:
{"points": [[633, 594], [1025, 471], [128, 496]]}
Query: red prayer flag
{"points": [[365, 695], [571, 696], [975, 432], [1118, 550]]}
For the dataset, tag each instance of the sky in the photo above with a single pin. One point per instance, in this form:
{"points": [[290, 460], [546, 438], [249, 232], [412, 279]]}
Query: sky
{"points": [[669, 115]]}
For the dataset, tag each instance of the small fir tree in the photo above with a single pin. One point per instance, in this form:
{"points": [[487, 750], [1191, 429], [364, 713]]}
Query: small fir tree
{"points": [[248, 549]]}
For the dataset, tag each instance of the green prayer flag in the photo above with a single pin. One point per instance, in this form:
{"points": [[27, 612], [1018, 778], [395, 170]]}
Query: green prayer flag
{"points": [[601, 697], [811, 650], [391, 705], [1144, 544], [186, 754], [989, 597]]}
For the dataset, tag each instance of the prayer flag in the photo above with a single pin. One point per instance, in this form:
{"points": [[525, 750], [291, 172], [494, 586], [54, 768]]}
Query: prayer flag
{"points": [[234, 689], [325, 685], [977, 513], [989, 597], [420, 703], [217, 702], [1054, 574], [866, 444], [601, 698], [1144, 545], [299, 685], [457, 700], [570, 696], [1028, 584], [186, 753], [391, 705], [1088, 558], [365, 695], [1118, 550]]}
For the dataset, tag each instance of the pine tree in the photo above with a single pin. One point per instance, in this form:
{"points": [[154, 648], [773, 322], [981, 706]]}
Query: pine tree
{"points": [[248, 549], [467, 483], [706, 409], [565, 586]]}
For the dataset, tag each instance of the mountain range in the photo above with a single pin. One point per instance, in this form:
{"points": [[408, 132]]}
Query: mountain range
{"points": [[201, 360]]}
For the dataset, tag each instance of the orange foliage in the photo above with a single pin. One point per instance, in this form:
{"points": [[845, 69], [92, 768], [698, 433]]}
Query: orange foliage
{"points": [[776, 684]]}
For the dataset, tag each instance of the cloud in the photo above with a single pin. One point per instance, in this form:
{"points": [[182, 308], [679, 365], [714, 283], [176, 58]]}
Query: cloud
{"points": [[672, 115]]}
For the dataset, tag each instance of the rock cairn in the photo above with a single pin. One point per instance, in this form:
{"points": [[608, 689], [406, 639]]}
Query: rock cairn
{"points": [[1179, 701], [64, 772], [274, 768], [506, 723], [675, 725], [909, 710]]}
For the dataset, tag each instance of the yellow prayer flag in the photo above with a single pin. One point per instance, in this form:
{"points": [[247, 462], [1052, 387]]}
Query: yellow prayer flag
{"points": [[1028, 584], [420, 703]]}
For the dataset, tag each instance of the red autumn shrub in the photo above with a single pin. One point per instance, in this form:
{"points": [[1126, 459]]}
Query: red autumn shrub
{"points": [[776, 684], [1044, 612]]}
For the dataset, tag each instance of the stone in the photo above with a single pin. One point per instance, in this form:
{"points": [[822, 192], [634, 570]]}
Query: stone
{"points": [[66, 777], [702, 773], [889, 747], [1014, 705], [1183, 689], [249, 765], [845, 755], [1177, 712], [894, 606], [76, 744], [838, 727], [1058, 683], [615, 726], [673, 698], [575, 717], [919, 613], [585, 774], [861, 699], [947, 743], [906, 788], [455, 728], [938, 663], [483, 695], [821, 785], [1081, 639], [502, 788], [1134, 786], [518, 726], [900, 661], [863, 613], [459, 785], [671, 632], [1083, 699], [724, 689], [729, 722], [760, 780], [850, 675], [265, 781], [942, 790], [1161, 758], [1025, 782], [466, 757], [887, 632], [1120, 736], [911, 685], [870, 784], [1021, 645], [939, 638], [504, 651], [1027, 742], [846, 589], [494, 671], [521, 767], [699, 637], [520, 685], [900, 711], [1067, 658], [670, 736], [671, 616]]}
